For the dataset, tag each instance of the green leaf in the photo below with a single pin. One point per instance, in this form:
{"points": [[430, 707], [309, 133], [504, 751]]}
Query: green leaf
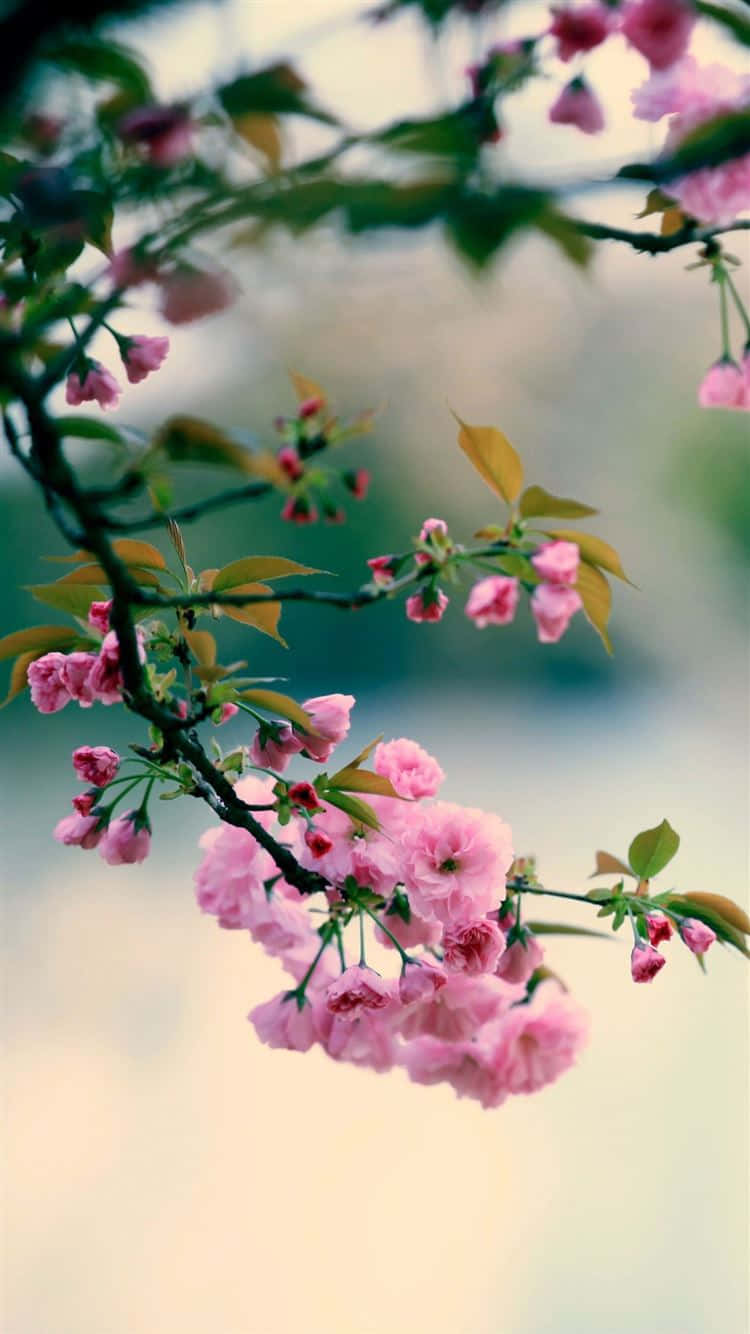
{"points": [[535, 501], [606, 864], [731, 19], [653, 849], [252, 568], [276, 89], [96, 213], [726, 908], [272, 701], [593, 549], [724, 929], [399, 906], [357, 810], [103, 62], [596, 595], [73, 598], [87, 428], [190, 440], [43, 638], [494, 458], [479, 224], [567, 235], [263, 616], [354, 779], [562, 929]]}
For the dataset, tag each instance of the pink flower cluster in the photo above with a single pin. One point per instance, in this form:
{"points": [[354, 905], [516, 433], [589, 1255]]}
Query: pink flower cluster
{"points": [[461, 1011], [91, 382], [691, 95], [86, 677], [646, 960], [122, 841], [554, 602]]}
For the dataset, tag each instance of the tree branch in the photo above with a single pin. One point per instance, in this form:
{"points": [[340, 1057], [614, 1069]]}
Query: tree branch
{"points": [[651, 242]]}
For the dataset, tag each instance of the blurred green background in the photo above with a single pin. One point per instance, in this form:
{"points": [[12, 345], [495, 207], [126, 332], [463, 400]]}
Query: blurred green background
{"points": [[164, 1171]]}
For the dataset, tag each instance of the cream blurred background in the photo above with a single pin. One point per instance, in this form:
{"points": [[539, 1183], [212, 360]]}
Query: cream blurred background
{"points": [[165, 1174]]}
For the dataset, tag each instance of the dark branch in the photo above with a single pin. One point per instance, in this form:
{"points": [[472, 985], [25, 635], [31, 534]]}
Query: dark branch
{"points": [[653, 244]]}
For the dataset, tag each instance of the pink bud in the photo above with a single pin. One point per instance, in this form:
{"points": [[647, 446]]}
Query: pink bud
{"points": [[440, 528], [228, 710], [123, 843], [553, 606], [318, 843], [659, 29], [191, 294], [98, 385], [98, 616], [299, 510], [493, 601], [659, 928], [426, 606], [126, 269], [78, 831], [310, 407], [96, 765], [520, 960], [141, 355], [164, 133], [420, 981], [304, 794], [291, 463], [579, 29], [577, 105], [358, 482], [382, 570], [83, 802], [557, 562], [723, 386], [645, 963], [697, 936], [275, 753]]}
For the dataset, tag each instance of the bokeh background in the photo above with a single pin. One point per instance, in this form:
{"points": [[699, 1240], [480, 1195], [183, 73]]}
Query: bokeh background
{"points": [[163, 1171]]}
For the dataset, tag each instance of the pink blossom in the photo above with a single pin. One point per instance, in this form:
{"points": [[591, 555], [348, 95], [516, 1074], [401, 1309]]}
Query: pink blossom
{"points": [[141, 355], [439, 528], [533, 1044], [96, 765], [281, 925], [459, 1008], [715, 194], [105, 678], [304, 794], [419, 982], [164, 133], [455, 861], [97, 385], [645, 963], [579, 28], [557, 562], [191, 294], [125, 841], [413, 772], [230, 878], [382, 570], [493, 601], [659, 928], [426, 605], [417, 931], [330, 718], [275, 752], [127, 269], [577, 105], [79, 831], [553, 606], [520, 960], [318, 842], [280, 1023], [310, 407], [228, 710], [83, 802], [75, 674], [371, 857], [357, 989], [659, 29], [696, 935], [465, 1065], [472, 946], [723, 386], [48, 691], [98, 615], [367, 1041], [290, 463], [298, 509]]}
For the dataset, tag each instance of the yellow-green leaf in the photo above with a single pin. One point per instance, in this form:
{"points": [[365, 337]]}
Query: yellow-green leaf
{"points": [[191, 440], [596, 595], [606, 864], [357, 810], [43, 638], [19, 675], [364, 754], [726, 908], [492, 532], [263, 134], [494, 458], [130, 552], [353, 779], [593, 549], [724, 929], [263, 616], [653, 849], [272, 701], [203, 646], [535, 502], [251, 568], [94, 574], [305, 388], [73, 598]]}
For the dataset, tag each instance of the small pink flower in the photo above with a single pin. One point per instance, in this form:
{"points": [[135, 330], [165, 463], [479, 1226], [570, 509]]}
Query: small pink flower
{"points": [[723, 386], [105, 678], [520, 960], [659, 29], [98, 385], [141, 355], [715, 194], [553, 606], [228, 710], [412, 771], [191, 294], [493, 601], [126, 269], [281, 1023], [78, 831], [455, 861], [382, 570], [164, 133], [579, 28], [310, 407], [557, 562], [426, 605], [358, 989], [417, 931], [659, 928], [275, 753], [75, 674], [298, 509], [697, 936], [304, 794], [330, 718], [645, 963], [124, 842], [48, 691], [290, 463], [358, 482], [83, 802], [419, 981], [318, 842], [96, 765], [577, 105], [98, 616], [472, 947], [439, 528]]}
